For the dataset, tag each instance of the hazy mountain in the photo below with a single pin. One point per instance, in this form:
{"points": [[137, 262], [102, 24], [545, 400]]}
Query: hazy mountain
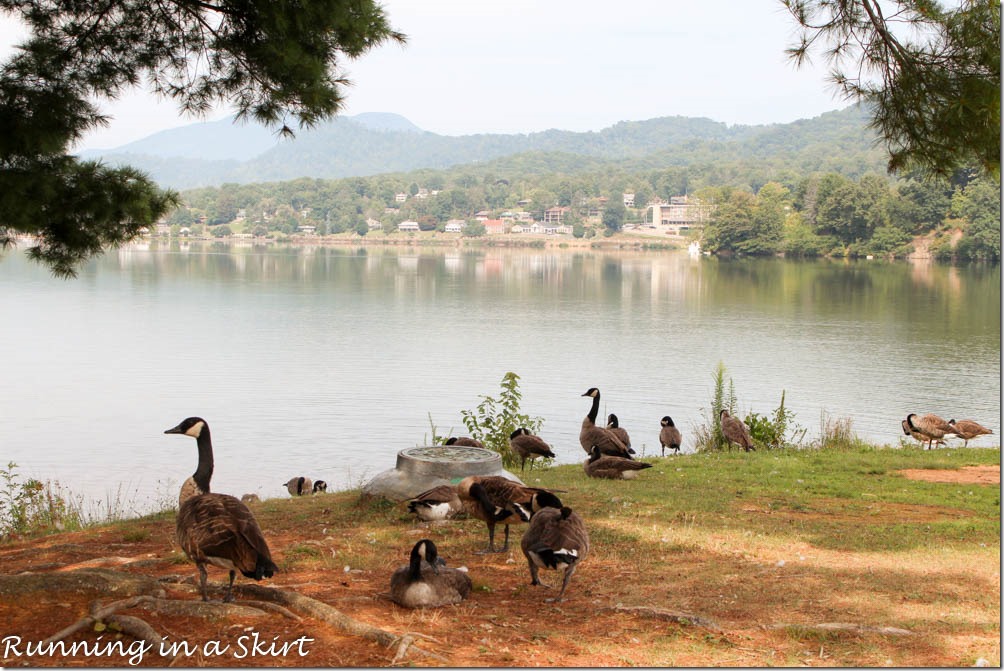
{"points": [[213, 153]]}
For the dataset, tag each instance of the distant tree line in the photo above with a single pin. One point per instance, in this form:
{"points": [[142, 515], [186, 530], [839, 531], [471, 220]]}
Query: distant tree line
{"points": [[821, 214]]}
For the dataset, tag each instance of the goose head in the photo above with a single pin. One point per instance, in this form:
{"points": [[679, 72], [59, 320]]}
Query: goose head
{"points": [[667, 421], [192, 426], [593, 392], [521, 431], [612, 422], [426, 550], [544, 500], [594, 453]]}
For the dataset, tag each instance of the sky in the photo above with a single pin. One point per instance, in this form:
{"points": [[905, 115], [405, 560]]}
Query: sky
{"points": [[520, 66]]}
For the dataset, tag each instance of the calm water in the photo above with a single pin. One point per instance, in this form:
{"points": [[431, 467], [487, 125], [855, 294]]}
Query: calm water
{"points": [[326, 362]]}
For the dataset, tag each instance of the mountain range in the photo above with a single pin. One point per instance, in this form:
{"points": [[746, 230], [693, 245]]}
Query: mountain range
{"points": [[218, 152]]}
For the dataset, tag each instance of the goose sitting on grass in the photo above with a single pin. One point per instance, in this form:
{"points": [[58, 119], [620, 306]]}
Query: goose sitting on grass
{"points": [[438, 503], [601, 465]]}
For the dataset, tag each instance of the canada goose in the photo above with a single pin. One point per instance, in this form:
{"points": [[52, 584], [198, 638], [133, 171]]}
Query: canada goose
{"points": [[250, 498], [967, 429], [918, 435], [217, 529], [438, 503], [601, 465], [498, 500], [735, 431], [929, 425], [464, 441], [591, 435], [669, 435], [426, 582], [320, 486], [614, 426], [529, 446], [299, 486], [556, 539]]}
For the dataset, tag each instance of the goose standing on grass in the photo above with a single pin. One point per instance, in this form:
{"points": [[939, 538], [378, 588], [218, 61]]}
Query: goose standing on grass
{"points": [[498, 500], [917, 434], [590, 434], [601, 465], [299, 486], [529, 446], [556, 539], [967, 429], [426, 582], [217, 529], [669, 436], [438, 503], [735, 430], [614, 426], [930, 425], [464, 441]]}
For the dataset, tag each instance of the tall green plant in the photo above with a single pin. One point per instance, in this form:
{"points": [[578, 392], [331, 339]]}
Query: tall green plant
{"points": [[494, 419], [709, 436]]}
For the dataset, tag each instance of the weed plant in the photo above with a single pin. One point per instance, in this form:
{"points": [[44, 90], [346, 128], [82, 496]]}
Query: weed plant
{"points": [[34, 507], [494, 420]]}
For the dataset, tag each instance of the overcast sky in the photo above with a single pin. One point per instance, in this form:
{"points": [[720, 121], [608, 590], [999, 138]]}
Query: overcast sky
{"points": [[479, 66]]}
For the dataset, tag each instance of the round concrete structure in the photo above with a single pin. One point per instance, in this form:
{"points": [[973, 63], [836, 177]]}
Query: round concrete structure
{"points": [[422, 468]]}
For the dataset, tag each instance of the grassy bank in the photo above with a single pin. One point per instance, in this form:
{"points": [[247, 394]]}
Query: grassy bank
{"points": [[811, 557]]}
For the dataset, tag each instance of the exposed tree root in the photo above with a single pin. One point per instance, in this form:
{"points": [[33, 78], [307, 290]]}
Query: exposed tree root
{"points": [[325, 613], [844, 626], [668, 615], [263, 600]]}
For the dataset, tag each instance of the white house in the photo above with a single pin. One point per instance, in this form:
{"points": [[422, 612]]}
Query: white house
{"points": [[455, 226], [408, 225]]}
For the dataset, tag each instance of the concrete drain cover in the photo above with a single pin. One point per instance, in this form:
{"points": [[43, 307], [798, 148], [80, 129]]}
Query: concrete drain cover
{"points": [[422, 468]]}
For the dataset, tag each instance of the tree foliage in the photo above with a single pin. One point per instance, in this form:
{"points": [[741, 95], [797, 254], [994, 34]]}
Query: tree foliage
{"points": [[931, 77], [276, 61]]}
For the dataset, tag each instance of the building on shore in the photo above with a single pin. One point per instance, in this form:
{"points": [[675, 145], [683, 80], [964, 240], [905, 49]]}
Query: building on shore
{"points": [[679, 215]]}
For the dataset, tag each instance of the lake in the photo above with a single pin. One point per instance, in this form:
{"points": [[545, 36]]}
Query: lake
{"points": [[325, 362]]}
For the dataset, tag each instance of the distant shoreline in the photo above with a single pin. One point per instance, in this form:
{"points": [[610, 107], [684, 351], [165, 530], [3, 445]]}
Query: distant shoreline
{"points": [[436, 239]]}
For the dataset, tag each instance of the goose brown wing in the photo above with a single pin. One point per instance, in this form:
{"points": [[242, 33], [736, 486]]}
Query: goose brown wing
{"points": [[552, 530], [670, 436], [603, 439], [220, 526], [530, 444], [613, 467]]}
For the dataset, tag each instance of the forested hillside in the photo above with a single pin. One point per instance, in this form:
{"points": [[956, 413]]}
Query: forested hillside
{"points": [[217, 153]]}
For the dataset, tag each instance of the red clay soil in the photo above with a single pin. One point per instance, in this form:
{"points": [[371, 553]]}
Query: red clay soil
{"points": [[505, 622]]}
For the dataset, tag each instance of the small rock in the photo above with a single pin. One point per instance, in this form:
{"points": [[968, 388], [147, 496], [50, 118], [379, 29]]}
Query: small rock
{"points": [[981, 662]]}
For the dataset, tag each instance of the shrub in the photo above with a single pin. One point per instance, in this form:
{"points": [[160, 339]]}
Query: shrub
{"points": [[769, 432], [33, 506], [494, 420]]}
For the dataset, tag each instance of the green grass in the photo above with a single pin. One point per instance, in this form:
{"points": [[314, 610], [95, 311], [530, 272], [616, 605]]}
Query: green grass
{"points": [[854, 487]]}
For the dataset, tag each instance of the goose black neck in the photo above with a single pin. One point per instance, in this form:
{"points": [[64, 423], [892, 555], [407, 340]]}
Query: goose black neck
{"points": [[415, 568], [204, 473], [595, 410]]}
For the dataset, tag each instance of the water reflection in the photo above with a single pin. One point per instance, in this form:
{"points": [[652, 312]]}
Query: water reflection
{"points": [[335, 358]]}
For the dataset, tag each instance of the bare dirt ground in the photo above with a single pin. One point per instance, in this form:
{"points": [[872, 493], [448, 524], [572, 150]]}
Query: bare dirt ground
{"points": [[763, 605], [972, 475]]}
